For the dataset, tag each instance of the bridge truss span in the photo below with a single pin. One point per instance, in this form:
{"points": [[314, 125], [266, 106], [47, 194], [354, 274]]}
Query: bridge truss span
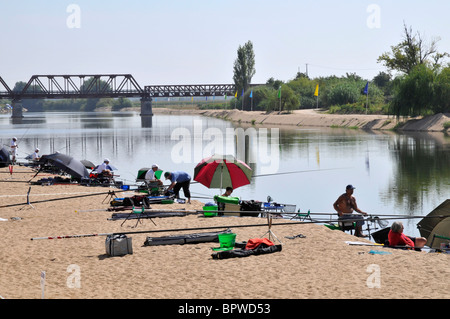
{"points": [[190, 90], [81, 86]]}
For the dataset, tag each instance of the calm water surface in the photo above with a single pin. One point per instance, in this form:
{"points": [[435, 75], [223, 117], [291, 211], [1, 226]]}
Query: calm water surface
{"points": [[393, 173]]}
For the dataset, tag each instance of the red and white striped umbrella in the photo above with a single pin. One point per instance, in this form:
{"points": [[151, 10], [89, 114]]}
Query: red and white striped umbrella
{"points": [[220, 171]]}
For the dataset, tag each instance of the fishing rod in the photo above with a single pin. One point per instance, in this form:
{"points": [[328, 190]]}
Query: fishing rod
{"points": [[182, 229], [166, 230], [293, 172], [185, 229], [63, 198], [303, 171], [302, 215]]}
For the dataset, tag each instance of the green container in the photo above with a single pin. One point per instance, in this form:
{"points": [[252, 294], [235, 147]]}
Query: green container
{"points": [[210, 211], [167, 201], [227, 240], [227, 200]]}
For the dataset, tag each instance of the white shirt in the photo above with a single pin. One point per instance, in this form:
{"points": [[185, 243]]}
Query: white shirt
{"points": [[102, 167], [13, 146], [150, 175], [35, 156]]}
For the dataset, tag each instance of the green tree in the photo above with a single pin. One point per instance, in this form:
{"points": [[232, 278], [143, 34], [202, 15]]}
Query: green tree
{"points": [[346, 92], [244, 67], [93, 85], [412, 51], [304, 88], [413, 92], [441, 92], [32, 105], [121, 103]]}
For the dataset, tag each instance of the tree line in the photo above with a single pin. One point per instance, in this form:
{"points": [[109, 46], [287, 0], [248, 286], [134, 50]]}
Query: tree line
{"points": [[421, 86]]}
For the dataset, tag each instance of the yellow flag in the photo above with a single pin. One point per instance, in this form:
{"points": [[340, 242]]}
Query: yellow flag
{"points": [[235, 95], [316, 93]]}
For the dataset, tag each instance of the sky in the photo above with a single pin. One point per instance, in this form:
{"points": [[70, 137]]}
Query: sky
{"points": [[169, 42]]}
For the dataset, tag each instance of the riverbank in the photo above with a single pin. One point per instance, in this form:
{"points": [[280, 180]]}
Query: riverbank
{"points": [[317, 118], [308, 266]]}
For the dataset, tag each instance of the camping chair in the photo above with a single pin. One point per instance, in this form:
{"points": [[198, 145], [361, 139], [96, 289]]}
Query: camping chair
{"points": [[302, 216], [139, 213], [346, 225], [153, 187]]}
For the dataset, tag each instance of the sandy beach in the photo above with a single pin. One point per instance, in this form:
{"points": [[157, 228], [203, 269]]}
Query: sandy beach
{"points": [[319, 265]]}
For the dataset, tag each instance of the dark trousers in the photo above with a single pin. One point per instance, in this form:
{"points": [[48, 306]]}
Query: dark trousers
{"points": [[185, 185]]}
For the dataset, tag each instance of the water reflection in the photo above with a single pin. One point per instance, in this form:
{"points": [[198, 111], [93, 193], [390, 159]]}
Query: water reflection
{"points": [[394, 173], [422, 166]]}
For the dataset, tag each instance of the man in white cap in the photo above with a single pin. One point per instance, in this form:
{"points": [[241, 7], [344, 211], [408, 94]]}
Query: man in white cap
{"points": [[35, 155], [150, 175], [104, 168], [14, 147]]}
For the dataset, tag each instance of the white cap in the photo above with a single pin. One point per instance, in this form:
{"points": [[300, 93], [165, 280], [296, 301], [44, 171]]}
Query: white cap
{"points": [[37, 149], [155, 166], [14, 138], [106, 160]]}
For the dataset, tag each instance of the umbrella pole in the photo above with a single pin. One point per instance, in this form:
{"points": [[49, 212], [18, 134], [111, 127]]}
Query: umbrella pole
{"points": [[221, 175]]}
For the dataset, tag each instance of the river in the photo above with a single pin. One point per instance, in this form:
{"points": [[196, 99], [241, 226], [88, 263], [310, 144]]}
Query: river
{"points": [[394, 173]]}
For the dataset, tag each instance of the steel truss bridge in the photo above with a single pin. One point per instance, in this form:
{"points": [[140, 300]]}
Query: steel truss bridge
{"points": [[104, 86]]}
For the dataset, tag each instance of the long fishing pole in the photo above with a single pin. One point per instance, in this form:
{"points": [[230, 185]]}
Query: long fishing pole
{"points": [[187, 229], [179, 229], [63, 198], [296, 172]]}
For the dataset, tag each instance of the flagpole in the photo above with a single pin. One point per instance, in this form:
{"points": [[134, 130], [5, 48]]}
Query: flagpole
{"points": [[279, 96], [367, 104], [367, 95], [316, 93]]}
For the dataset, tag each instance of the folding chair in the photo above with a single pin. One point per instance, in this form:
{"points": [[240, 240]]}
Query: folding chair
{"points": [[153, 187], [345, 225], [302, 216], [139, 213]]}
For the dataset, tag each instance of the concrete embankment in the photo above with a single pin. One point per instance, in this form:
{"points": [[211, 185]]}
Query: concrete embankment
{"points": [[316, 118]]}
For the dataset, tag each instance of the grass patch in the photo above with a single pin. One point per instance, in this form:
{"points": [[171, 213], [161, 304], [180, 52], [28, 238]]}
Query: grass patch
{"points": [[446, 125]]}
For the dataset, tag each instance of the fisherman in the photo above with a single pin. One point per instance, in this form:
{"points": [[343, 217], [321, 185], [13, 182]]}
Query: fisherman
{"points": [[345, 206], [179, 179], [104, 168], [14, 147], [228, 191], [104, 171], [35, 155], [150, 175]]}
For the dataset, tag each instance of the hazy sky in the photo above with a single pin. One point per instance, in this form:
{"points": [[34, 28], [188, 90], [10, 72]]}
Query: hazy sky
{"points": [[195, 41]]}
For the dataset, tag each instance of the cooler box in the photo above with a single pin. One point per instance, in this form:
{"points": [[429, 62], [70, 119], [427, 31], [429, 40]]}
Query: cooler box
{"points": [[232, 208], [225, 203]]}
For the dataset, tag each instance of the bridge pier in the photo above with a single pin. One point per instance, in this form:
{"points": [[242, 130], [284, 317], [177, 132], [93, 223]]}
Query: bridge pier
{"points": [[146, 106], [17, 109], [146, 112]]}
